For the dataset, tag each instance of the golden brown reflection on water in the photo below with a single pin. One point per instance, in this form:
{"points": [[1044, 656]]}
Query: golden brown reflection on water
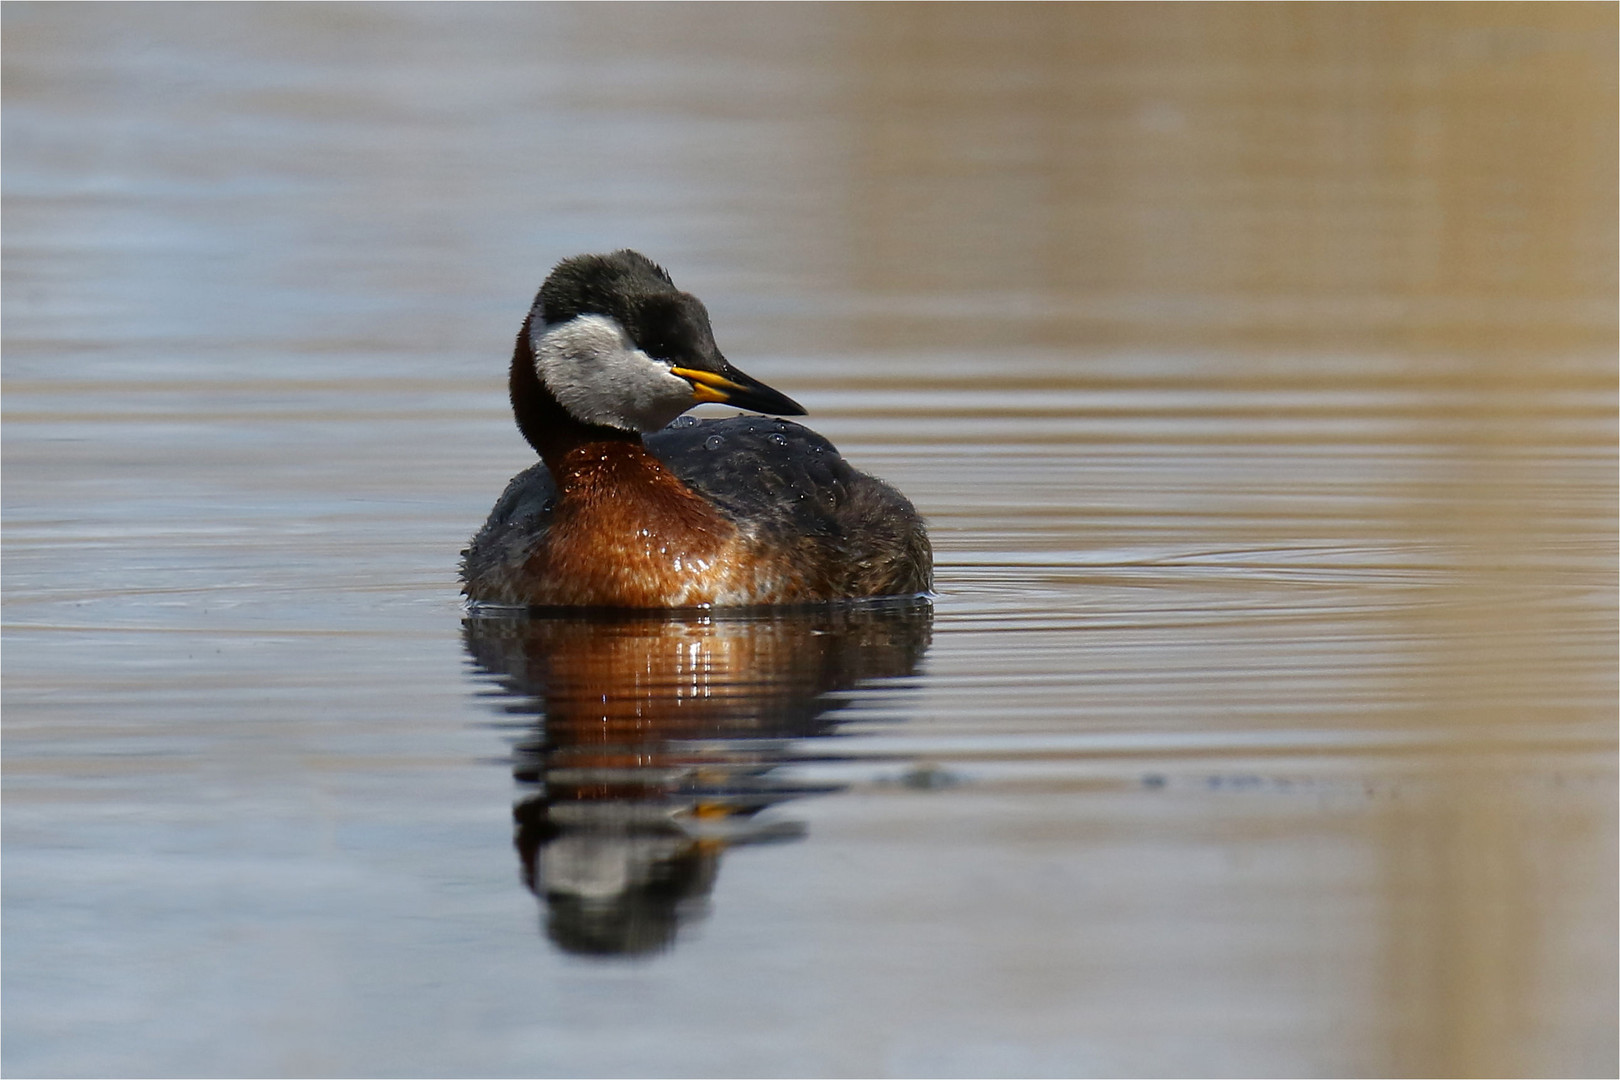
{"points": [[1253, 364], [1383, 176], [1284, 182]]}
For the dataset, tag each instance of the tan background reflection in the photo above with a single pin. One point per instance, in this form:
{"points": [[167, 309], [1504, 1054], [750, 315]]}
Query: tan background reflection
{"points": [[1331, 176]]}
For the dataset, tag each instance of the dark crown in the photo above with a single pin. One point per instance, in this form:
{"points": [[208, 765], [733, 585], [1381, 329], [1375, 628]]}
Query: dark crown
{"points": [[636, 292]]}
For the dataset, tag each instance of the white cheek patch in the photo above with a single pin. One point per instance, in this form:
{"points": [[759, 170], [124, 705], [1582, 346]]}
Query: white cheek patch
{"points": [[597, 374]]}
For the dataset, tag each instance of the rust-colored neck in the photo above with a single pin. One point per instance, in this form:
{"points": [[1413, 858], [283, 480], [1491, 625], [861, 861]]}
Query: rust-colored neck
{"points": [[625, 532], [542, 419]]}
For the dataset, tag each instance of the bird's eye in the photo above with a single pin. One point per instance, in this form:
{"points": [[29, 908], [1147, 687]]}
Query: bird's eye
{"points": [[667, 330]]}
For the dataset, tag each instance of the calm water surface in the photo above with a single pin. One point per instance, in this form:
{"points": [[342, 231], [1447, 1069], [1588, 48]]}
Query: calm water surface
{"points": [[1253, 366]]}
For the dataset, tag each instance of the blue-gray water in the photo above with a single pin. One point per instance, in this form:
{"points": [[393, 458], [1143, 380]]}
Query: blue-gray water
{"points": [[1253, 366]]}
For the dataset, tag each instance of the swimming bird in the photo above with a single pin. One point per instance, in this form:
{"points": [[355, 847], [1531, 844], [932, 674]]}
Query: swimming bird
{"points": [[634, 505]]}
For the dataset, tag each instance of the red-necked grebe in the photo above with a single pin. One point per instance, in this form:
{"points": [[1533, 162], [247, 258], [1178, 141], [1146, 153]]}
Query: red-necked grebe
{"points": [[631, 507]]}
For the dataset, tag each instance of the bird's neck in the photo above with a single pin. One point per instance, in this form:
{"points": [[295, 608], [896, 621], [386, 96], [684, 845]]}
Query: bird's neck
{"points": [[541, 418]]}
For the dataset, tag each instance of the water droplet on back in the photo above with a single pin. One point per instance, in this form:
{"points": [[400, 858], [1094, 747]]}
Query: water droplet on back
{"points": [[713, 442]]}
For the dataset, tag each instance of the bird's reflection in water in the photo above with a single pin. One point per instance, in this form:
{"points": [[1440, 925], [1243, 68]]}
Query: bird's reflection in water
{"points": [[657, 741]]}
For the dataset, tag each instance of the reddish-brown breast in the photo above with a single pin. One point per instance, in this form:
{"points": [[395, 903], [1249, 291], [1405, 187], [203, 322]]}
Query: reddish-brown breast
{"points": [[626, 533]]}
